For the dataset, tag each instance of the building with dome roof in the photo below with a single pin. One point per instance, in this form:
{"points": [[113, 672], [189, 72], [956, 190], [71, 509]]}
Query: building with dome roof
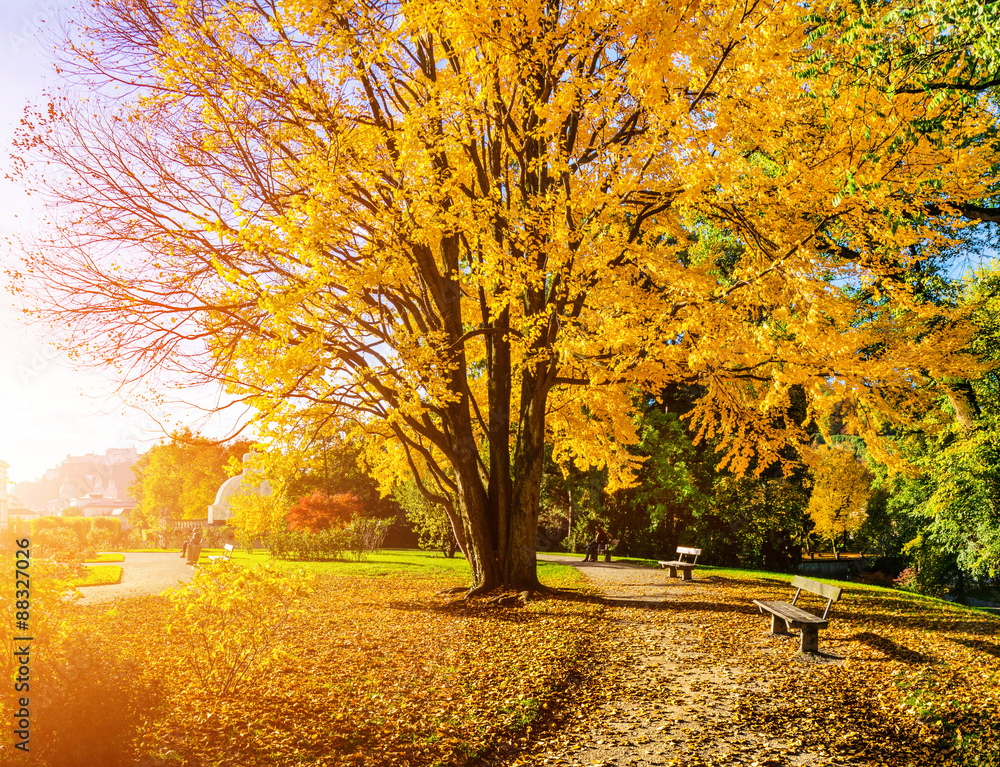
{"points": [[219, 512]]}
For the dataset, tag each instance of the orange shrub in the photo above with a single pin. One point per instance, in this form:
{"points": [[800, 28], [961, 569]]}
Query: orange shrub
{"points": [[320, 511]]}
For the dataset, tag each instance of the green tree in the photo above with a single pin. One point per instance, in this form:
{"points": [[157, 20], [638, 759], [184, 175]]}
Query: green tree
{"points": [[754, 521], [673, 488], [429, 519], [573, 502], [941, 483]]}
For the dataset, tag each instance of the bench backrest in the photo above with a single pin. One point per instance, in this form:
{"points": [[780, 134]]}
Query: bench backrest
{"points": [[683, 551], [228, 548], [830, 593]]}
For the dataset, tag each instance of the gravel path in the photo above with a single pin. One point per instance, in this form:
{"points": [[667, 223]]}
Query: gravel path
{"points": [[626, 583], [661, 698], [143, 573]]}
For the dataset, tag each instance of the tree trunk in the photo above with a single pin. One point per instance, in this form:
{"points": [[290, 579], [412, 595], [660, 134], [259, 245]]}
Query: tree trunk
{"points": [[569, 533], [478, 518], [963, 399], [501, 481], [520, 527], [481, 551]]}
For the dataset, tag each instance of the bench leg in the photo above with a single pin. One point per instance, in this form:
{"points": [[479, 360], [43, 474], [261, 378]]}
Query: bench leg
{"points": [[686, 573], [778, 626], [810, 639], [673, 571]]}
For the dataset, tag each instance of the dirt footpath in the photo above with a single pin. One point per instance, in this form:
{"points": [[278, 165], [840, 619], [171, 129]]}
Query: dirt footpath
{"points": [[143, 573], [654, 696]]}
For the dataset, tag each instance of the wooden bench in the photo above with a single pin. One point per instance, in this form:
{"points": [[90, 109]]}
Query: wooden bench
{"points": [[607, 549], [683, 564], [228, 549], [785, 616]]}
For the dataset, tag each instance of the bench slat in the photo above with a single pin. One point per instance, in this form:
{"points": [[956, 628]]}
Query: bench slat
{"points": [[225, 556], [686, 550], [824, 590], [792, 615]]}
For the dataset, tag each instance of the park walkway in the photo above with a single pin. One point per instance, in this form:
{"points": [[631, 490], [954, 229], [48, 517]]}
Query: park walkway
{"points": [[656, 695], [143, 573]]}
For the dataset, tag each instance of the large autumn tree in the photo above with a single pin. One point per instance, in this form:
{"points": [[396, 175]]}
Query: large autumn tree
{"points": [[467, 228]]}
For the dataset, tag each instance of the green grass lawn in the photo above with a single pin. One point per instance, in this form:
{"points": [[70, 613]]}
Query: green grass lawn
{"points": [[393, 562], [105, 557], [100, 575], [381, 563]]}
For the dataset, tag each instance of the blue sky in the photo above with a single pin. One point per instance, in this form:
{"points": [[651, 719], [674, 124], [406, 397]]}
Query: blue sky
{"points": [[47, 408]]}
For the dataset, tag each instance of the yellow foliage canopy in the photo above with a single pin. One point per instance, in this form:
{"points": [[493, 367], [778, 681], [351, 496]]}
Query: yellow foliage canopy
{"points": [[841, 489], [469, 228]]}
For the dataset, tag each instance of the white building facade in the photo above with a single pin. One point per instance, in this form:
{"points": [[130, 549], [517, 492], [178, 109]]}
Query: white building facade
{"points": [[220, 511]]}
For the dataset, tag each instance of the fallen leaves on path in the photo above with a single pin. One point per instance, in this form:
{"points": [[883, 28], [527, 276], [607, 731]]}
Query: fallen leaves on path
{"points": [[692, 677]]}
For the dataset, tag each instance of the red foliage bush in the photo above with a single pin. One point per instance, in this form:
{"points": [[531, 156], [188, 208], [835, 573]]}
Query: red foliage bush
{"points": [[320, 511]]}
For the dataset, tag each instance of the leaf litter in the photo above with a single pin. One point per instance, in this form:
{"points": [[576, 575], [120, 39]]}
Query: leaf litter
{"points": [[656, 671], [686, 673]]}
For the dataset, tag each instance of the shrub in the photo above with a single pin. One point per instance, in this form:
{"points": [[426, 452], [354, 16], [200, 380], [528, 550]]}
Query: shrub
{"points": [[111, 524], [101, 539], [169, 539], [246, 539], [7, 542], [80, 526], [226, 622], [314, 547], [912, 579], [216, 537], [44, 523], [130, 539], [58, 543], [907, 580], [90, 703], [366, 535]]}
